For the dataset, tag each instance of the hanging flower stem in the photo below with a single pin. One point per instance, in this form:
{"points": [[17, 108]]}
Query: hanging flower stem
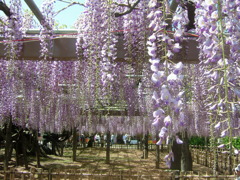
{"points": [[221, 34]]}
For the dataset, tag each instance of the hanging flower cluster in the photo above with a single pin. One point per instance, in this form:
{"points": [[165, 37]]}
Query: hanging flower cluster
{"points": [[166, 76], [54, 95], [46, 33], [220, 64]]}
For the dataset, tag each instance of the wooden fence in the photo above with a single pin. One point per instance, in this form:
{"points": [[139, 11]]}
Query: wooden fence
{"points": [[132, 146], [225, 163], [40, 174], [151, 146]]}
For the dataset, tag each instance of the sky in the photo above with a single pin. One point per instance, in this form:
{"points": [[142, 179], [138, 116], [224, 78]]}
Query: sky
{"points": [[66, 17]]}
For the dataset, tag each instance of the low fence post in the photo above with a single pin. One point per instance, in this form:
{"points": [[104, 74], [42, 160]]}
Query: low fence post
{"points": [[40, 173], [230, 163], [225, 163], [121, 178], [50, 174], [197, 155], [5, 174], [206, 157], [12, 174], [175, 175], [32, 173]]}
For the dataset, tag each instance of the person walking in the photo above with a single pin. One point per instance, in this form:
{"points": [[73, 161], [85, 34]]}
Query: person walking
{"points": [[237, 172]]}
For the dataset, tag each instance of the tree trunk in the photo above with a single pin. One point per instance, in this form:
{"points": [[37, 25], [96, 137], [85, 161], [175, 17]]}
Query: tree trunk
{"points": [[182, 155], [108, 147], [61, 144], [8, 144], [53, 147], [74, 144], [157, 153], [17, 154], [177, 151], [157, 157], [146, 146], [24, 151], [37, 149], [186, 160]]}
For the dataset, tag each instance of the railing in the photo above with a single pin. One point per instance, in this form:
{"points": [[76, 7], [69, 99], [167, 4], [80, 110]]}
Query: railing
{"points": [[124, 146], [224, 162], [40, 174]]}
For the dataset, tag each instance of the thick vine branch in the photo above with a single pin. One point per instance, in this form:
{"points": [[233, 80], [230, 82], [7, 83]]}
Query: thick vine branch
{"points": [[69, 5], [5, 9], [130, 6]]}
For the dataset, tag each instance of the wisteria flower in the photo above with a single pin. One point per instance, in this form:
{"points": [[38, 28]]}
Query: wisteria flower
{"points": [[169, 158], [217, 126], [214, 15], [210, 2], [167, 121], [223, 133], [182, 119], [178, 68], [158, 113], [221, 146], [165, 94], [180, 94], [159, 141], [202, 22], [169, 54], [156, 122], [154, 61], [213, 107], [150, 15], [152, 51], [236, 91], [176, 47], [153, 25], [158, 13], [178, 140], [163, 132], [178, 35], [154, 64], [220, 103], [152, 38], [172, 77], [152, 3], [155, 96], [236, 151], [157, 76], [154, 67]]}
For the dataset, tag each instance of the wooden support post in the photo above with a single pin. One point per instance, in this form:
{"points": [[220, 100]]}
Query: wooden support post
{"points": [[8, 143], [146, 146], [230, 171], [108, 147], [207, 155], [197, 153], [74, 148], [37, 148], [157, 156], [225, 164]]}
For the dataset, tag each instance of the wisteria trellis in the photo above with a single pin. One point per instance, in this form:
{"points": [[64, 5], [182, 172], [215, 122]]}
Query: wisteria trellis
{"points": [[56, 95]]}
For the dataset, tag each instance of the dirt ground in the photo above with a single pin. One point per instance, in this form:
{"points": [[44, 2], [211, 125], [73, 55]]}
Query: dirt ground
{"points": [[93, 160]]}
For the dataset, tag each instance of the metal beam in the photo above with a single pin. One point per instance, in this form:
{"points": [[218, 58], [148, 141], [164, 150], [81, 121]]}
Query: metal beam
{"points": [[31, 4]]}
